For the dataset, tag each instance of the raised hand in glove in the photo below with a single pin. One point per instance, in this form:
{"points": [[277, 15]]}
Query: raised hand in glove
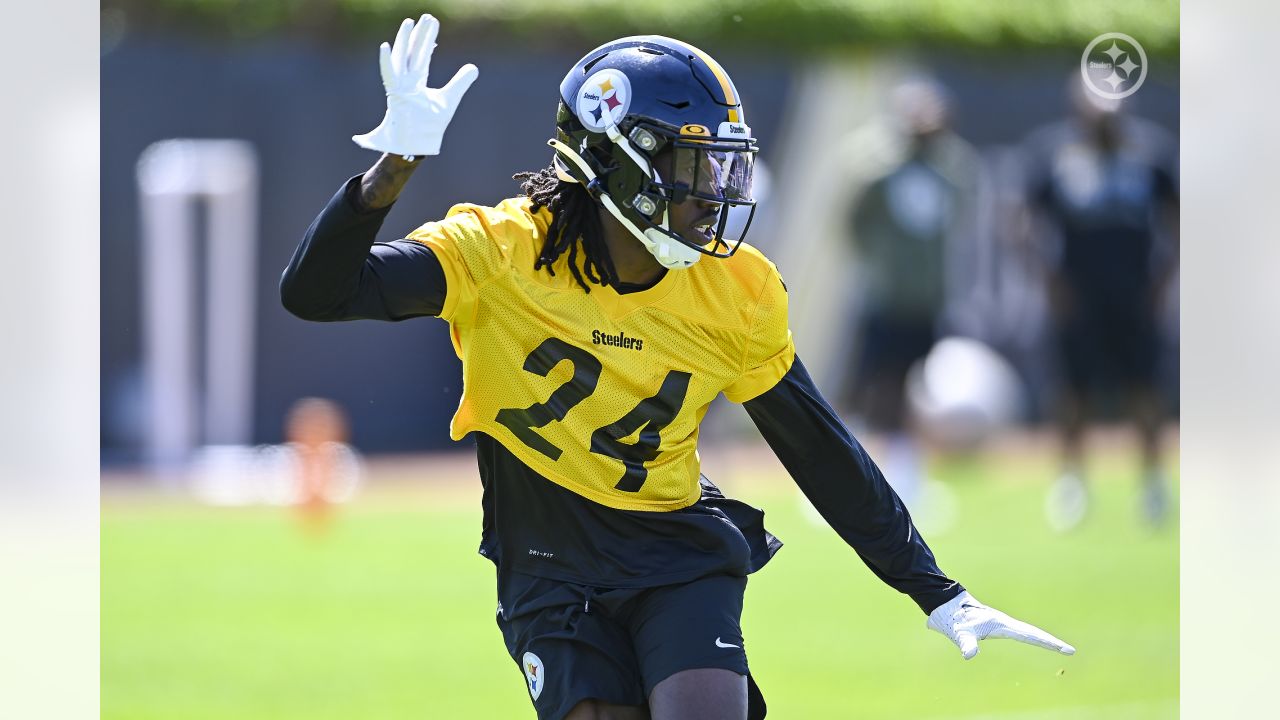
{"points": [[416, 114], [965, 621]]}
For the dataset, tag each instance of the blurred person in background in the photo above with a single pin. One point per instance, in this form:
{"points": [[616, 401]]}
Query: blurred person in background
{"points": [[913, 193], [1103, 194], [597, 315], [316, 430]]}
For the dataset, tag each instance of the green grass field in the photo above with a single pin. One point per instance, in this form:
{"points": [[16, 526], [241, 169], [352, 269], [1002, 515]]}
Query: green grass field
{"points": [[236, 613]]}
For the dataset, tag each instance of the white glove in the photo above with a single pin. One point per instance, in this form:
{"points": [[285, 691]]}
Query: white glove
{"points": [[416, 115], [965, 621]]}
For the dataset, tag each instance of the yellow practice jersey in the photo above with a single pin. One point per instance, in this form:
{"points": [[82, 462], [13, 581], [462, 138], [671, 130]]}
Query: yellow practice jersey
{"points": [[601, 392]]}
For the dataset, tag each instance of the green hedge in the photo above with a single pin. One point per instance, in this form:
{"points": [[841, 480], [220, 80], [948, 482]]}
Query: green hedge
{"points": [[790, 25]]}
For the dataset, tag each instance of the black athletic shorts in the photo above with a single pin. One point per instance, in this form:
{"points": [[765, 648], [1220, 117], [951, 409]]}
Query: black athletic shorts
{"points": [[1108, 348], [573, 642]]}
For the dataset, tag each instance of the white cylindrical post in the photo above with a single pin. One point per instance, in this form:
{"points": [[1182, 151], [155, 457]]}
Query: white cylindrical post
{"points": [[173, 175]]}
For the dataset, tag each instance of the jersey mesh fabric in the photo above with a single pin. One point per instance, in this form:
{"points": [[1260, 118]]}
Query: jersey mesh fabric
{"points": [[575, 384]]}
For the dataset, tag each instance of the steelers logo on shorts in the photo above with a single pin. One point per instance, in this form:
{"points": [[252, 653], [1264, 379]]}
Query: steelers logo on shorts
{"points": [[534, 673], [604, 99]]}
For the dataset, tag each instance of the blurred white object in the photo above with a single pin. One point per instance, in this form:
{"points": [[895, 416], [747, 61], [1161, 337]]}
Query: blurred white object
{"points": [[270, 474], [173, 175], [936, 509], [1156, 502], [962, 392], [1067, 502], [903, 467]]}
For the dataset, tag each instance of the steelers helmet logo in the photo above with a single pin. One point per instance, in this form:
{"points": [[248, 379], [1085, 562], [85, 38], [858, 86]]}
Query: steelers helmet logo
{"points": [[604, 99]]}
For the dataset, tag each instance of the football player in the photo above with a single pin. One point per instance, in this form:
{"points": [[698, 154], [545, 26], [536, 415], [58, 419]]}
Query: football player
{"points": [[597, 315], [1104, 186]]}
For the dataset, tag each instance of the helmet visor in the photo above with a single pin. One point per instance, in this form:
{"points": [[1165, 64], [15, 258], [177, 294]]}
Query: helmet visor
{"points": [[713, 171], [719, 172]]}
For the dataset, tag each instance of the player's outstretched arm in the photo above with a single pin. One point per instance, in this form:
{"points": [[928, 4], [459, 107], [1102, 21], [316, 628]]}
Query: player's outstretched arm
{"points": [[842, 481], [416, 117], [338, 272]]}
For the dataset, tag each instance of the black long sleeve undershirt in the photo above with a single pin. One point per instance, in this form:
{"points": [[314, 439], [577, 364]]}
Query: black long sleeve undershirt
{"points": [[339, 273], [844, 484]]}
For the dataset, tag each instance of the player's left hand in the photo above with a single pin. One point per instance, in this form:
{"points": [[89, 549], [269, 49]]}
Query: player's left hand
{"points": [[965, 621], [416, 114]]}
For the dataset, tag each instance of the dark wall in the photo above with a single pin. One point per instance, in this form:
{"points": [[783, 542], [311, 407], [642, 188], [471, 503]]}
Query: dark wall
{"points": [[299, 104]]}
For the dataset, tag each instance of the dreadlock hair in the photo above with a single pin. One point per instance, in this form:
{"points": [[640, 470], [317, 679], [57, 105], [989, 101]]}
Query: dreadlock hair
{"points": [[575, 222]]}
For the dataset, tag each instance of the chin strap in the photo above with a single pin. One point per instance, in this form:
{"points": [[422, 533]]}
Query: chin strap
{"points": [[669, 253]]}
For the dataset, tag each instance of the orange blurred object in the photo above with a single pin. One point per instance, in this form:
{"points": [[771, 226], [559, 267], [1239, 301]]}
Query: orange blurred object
{"points": [[317, 431]]}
